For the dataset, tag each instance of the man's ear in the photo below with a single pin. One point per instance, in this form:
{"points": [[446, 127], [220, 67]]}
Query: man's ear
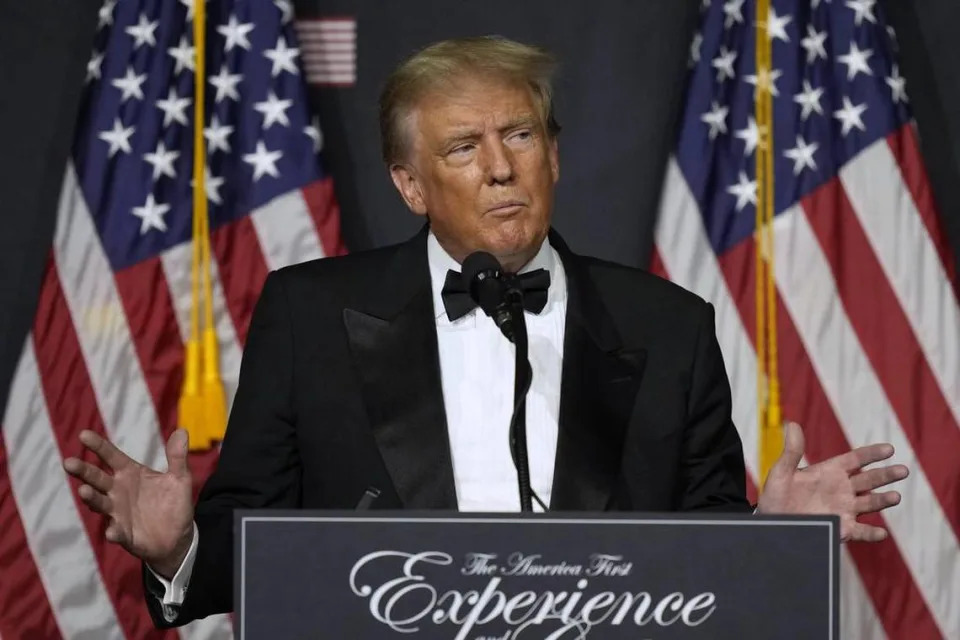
{"points": [[554, 159], [406, 183]]}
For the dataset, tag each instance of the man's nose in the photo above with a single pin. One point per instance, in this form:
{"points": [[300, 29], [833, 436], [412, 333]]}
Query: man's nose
{"points": [[499, 162]]}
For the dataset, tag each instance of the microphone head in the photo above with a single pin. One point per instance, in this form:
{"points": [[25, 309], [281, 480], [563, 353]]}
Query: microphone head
{"points": [[481, 272], [479, 264]]}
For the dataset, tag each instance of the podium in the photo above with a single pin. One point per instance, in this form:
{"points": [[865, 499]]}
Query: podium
{"points": [[381, 574]]}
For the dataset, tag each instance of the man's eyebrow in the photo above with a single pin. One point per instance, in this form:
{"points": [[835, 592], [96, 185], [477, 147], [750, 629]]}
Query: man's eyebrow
{"points": [[517, 122]]}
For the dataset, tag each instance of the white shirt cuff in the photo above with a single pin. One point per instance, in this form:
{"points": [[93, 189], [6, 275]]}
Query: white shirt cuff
{"points": [[175, 590]]}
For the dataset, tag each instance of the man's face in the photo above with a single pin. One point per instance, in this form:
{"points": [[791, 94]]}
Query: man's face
{"points": [[481, 165]]}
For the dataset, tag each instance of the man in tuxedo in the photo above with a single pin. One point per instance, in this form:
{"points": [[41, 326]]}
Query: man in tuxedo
{"points": [[374, 370]]}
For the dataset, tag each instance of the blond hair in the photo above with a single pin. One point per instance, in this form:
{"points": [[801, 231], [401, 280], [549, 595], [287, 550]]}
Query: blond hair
{"points": [[445, 62]]}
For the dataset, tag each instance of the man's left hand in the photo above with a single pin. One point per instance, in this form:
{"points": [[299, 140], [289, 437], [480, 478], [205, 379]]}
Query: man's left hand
{"points": [[838, 486]]}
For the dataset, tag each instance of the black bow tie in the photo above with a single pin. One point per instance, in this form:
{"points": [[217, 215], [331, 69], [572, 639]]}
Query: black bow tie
{"points": [[458, 303]]}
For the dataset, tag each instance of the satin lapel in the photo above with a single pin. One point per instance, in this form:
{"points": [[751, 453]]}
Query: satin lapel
{"points": [[599, 386], [394, 346]]}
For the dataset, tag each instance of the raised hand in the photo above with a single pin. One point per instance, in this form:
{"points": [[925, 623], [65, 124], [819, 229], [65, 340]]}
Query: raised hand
{"points": [[150, 513], [838, 486]]}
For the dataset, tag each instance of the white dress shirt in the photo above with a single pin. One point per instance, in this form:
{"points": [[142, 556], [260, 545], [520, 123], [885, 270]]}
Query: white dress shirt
{"points": [[477, 367], [476, 372]]}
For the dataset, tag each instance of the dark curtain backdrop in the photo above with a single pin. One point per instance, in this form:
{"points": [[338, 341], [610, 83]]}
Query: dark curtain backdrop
{"points": [[621, 80], [44, 49]]}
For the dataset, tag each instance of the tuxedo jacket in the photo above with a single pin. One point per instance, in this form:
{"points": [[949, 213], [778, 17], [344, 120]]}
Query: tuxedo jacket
{"points": [[340, 390]]}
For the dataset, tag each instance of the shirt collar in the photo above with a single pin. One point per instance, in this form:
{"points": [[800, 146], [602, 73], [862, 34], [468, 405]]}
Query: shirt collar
{"points": [[440, 262]]}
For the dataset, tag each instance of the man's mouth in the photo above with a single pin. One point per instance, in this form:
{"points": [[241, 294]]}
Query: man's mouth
{"points": [[506, 208]]}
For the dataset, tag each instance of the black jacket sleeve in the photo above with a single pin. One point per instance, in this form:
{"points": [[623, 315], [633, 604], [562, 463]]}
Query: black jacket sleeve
{"points": [[712, 468]]}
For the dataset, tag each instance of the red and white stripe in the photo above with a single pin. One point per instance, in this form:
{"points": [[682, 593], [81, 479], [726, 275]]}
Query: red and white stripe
{"points": [[869, 341], [328, 48], [105, 354]]}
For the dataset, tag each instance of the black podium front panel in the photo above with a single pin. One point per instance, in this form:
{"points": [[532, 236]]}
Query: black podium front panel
{"points": [[543, 577]]}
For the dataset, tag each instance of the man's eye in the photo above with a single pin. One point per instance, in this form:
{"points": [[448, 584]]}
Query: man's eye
{"points": [[461, 150]]}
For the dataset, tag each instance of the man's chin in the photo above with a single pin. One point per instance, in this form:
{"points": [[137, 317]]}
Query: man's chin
{"points": [[513, 251]]}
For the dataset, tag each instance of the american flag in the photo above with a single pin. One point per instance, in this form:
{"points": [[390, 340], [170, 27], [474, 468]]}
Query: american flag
{"points": [[329, 48], [868, 321], [107, 345]]}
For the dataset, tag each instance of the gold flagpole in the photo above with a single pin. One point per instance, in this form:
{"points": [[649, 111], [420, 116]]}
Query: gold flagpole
{"points": [[202, 409], [768, 383]]}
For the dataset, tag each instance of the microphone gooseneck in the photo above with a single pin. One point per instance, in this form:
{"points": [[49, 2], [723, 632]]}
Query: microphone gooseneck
{"points": [[522, 379]]}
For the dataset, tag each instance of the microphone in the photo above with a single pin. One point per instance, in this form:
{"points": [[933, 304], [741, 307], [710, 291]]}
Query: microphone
{"points": [[366, 501], [503, 301], [484, 277]]}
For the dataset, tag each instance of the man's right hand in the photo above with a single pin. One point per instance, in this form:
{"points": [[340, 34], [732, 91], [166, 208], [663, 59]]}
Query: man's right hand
{"points": [[150, 513]]}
